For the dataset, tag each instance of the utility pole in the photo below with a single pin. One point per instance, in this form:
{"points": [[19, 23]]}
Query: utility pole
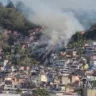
{"points": [[84, 87], [84, 84]]}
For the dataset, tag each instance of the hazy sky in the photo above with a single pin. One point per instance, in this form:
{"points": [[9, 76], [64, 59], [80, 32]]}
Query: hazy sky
{"points": [[4, 1], [85, 4]]}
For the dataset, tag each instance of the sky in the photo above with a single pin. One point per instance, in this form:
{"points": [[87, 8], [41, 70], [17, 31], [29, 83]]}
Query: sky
{"points": [[4, 1], [84, 4]]}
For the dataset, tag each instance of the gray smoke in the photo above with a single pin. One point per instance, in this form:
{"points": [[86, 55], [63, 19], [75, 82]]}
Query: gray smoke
{"points": [[59, 25], [59, 18]]}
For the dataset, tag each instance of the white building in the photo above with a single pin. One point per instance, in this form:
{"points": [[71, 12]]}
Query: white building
{"points": [[92, 62], [10, 95], [90, 48]]}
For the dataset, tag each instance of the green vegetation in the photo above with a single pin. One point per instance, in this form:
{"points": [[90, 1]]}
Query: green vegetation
{"points": [[10, 4], [14, 20], [15, 52], [41, 92], [78, 40]]}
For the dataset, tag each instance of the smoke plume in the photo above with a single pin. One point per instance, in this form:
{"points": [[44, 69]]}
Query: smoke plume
{"points": [[60, 18], [58, 25]]}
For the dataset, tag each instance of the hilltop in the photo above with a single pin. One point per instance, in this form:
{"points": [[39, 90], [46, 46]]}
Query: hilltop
{"points": [[13, 18]]}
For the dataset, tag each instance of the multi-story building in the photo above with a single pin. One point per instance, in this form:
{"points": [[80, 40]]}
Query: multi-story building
{"points": [[90, 48]]}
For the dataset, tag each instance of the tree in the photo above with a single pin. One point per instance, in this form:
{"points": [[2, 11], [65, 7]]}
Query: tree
{"points": [[78, 40], [40, 92], [11, 40], [14, 20], [19, 6], [10, 4], [1, 5]]}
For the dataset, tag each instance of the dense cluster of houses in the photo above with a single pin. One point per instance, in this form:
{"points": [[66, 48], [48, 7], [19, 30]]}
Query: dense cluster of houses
{"points": [[64, 73]]}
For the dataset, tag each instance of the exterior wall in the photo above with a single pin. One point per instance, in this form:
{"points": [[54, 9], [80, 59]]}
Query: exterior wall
{"points": [[75, 78], [74, 53], [43, 78], [65, 80], [92, 92], [93, 62], [10, 95]]}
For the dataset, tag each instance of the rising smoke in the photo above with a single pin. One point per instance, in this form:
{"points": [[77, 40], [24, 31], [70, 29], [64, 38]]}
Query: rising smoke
{"points": [[59, 18], [59, 25]]}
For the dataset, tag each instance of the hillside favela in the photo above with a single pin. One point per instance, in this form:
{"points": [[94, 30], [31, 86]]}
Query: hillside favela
{"points": [[47, 47]]}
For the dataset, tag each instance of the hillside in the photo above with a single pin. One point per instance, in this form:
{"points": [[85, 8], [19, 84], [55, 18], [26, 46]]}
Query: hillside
{"points": [[13, 20], [91, 33]]}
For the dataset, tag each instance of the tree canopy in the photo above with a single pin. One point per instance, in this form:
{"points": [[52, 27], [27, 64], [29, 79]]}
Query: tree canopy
{"points": [[14, 20], [10, 4]]}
